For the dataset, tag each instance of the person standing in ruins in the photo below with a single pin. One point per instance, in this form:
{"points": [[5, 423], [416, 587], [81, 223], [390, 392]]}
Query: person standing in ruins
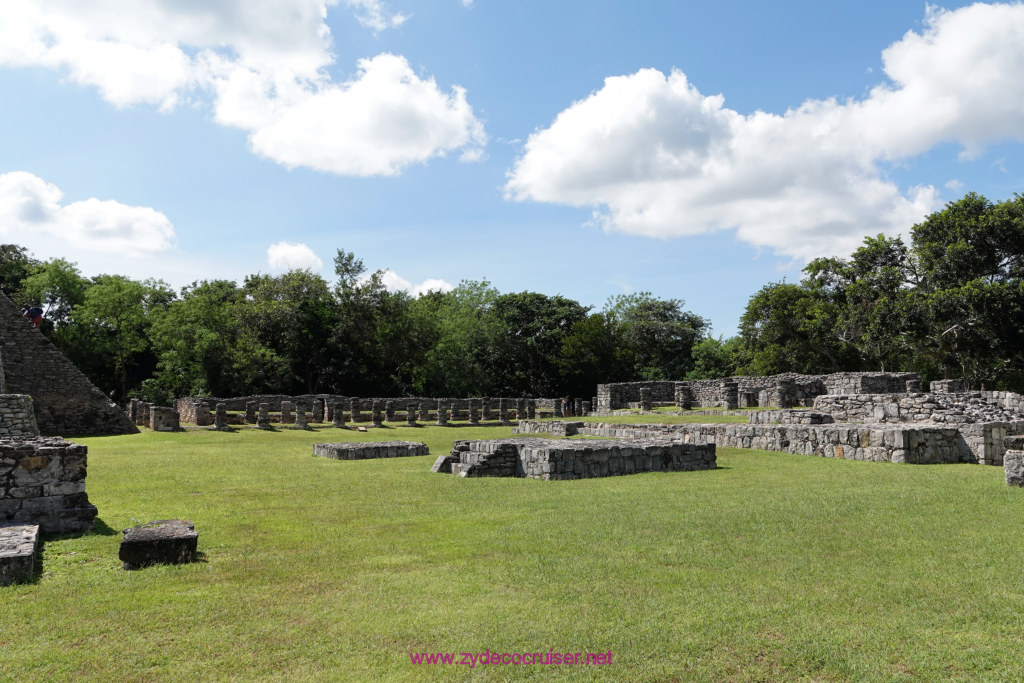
{"points": [[34, 315]]}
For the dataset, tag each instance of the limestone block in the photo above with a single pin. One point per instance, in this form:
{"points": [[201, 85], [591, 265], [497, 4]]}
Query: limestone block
{"points": [[1013, 468], [165, 541], [18, 546]]}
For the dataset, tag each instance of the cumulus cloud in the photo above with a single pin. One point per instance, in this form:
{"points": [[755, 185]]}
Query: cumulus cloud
{"points": [[288, 256], [396, 283], [373, 15], [653, 156], [265, 64], [33, 214]]}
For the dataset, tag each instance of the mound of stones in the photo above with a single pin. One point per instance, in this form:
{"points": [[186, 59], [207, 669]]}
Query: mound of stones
{"points": [[370, 450]]}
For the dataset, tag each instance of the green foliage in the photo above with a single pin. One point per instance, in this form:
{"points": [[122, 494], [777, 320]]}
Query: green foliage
{"points": [[16, 264], [659, 334]]}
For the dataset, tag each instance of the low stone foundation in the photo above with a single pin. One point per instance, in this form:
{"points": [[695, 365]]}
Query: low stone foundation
{"points": [[561, 459], [367, 451], [878, 443], [42, 481]]}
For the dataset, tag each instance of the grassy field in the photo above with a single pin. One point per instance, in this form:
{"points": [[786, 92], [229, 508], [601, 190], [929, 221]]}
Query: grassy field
{"points": [[772, 567]]}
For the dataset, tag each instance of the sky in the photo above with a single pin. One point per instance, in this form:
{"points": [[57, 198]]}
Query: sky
{"points": [[695, 150]]}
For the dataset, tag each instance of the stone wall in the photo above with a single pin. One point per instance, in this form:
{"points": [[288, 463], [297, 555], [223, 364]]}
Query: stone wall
{"points": [[17, 418], [64, 400], [187, 410], [796, 417], [754, 391], [877, 443], [367, 451], [560, 459], [42, 481]]}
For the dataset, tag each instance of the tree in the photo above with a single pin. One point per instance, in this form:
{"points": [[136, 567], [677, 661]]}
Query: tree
{"points": [[659, 333], [16, 263], [594, 352]]}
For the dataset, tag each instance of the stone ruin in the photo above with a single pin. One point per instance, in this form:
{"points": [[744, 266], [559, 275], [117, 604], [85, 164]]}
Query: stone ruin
{"points": [[63, 399], [42, 482], [946, 425], [557, 459], [783, 391], [369, 450]]}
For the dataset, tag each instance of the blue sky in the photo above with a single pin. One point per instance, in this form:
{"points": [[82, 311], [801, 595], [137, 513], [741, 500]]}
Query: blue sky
{"points": [[694, 150]]}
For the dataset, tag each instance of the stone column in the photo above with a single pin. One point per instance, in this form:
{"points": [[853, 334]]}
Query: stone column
{"points": [[786, 390], [221, 421], [375, 414], [354, 404], [300, 416], [913, 386], [330, 408], [531, 409], [442, 413], [521, 409], [730, 395], [203, 417], [485, 408], [147, 414], [263, 418], [424, 411], [250, 412], [410, 415], [287, 416], [474, 411], [502, 412], [337, 416], [947, 386], [684, 396], [577, 407], [318, 411], [645, 400], [586, 408], [133, 408], [389, 411], [593, 403], [558, 407]]}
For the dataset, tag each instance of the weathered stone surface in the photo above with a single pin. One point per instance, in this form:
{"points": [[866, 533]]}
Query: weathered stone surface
{"points": [[443, 464], [263, 417], [250, 412], [375, 415], [389, 411], [442, 414], [1013, 468], [165, 541], [300, 416], [17, 416], [287, 415], [369, 450], [42, 481], [18, 546], [338, 417], [165, 419], [410, 415], [563, 459], [318, 411]]}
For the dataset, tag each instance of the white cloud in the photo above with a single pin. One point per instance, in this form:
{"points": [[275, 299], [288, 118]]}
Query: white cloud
{"points": [[33, 215], [467, 3], [653, 156], [288, 256], [373, 15], [265, 64], [954, 185], [396, 283]]}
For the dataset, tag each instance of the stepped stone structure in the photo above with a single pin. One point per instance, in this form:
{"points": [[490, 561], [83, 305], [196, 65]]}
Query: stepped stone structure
{"points": [[921, 428], [556, 459], [63, 399]]}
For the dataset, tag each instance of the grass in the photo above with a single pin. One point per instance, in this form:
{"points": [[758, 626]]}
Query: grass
{"points": [[773, 567]]}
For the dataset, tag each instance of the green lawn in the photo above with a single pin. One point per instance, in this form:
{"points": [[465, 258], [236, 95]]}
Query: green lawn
{"points": [[773, 567]]}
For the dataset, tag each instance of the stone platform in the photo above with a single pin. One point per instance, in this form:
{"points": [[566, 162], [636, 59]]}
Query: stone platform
{"points": [[370, 450], [562, 459], [165, 541], [18, 546], [42, 481]]}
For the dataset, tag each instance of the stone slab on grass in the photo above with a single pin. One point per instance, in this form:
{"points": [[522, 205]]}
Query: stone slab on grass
{"points": [[18, 546], [1013, 468], [164, 541], [369, 450]]}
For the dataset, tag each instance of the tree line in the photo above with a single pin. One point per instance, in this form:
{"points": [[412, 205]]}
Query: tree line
{"points": [[948, 304]]}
